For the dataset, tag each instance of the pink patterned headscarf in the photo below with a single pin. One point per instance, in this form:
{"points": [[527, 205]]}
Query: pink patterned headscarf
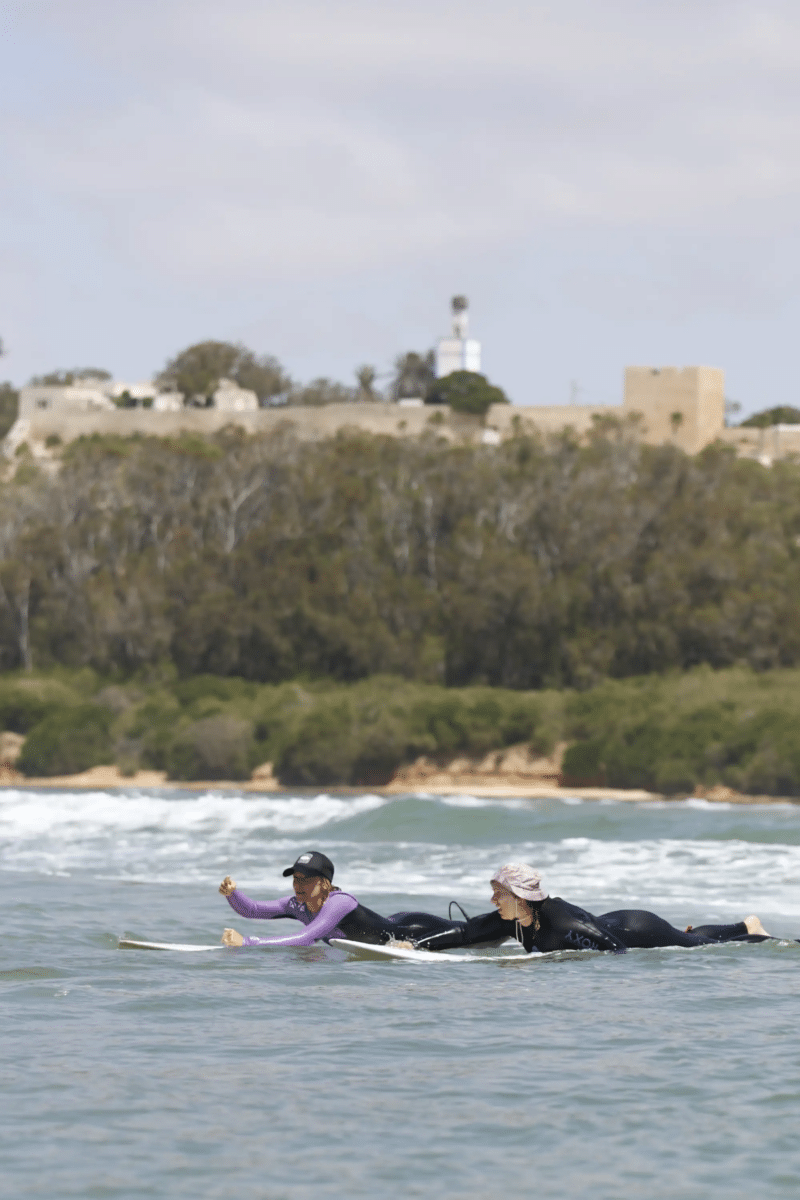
{"points": [[522, 880]]}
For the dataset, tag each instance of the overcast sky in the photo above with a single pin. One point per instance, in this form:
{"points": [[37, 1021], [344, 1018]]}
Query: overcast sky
{"points": [[611, 182]]}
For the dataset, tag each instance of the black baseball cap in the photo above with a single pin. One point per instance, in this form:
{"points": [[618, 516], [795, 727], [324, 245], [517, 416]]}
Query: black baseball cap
{"points": [[312, 863]]}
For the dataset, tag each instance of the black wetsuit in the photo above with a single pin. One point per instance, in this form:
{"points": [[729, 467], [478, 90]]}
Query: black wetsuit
{"points": [[364, 925], [561, 926]]}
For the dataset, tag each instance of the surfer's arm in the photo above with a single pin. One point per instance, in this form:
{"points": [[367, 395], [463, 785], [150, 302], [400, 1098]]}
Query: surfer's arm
{"points": [[324, 924], [258, 910]]}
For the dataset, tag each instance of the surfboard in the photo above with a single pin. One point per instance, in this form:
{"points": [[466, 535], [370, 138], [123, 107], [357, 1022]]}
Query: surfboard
{"points": [[185, 948], [365, 951]]}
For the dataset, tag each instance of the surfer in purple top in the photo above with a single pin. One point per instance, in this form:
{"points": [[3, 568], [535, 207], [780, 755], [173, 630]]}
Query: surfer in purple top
{"points": [[316, 903], [326, 912]]}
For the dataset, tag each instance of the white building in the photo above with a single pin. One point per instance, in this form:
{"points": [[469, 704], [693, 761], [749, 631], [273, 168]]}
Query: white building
{"points": [[91, 396], [458, 352], [229, 397], [139, 392]]}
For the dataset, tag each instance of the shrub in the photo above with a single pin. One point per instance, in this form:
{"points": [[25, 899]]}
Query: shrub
{"points": [[466, 392], [784, 414], [26, 702], [218, 747], [68, 741], [703, 727], [333, 743], [362, 734]]}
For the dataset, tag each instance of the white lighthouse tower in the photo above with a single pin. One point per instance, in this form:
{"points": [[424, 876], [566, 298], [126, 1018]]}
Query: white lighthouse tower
{"points": [[458, 352]]}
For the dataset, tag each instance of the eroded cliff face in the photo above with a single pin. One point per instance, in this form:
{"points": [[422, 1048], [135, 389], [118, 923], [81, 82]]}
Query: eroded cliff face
{"points": [[516, 766]]}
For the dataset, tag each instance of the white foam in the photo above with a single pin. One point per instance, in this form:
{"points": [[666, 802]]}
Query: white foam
{"points": [[58, 831], [177, 840]]}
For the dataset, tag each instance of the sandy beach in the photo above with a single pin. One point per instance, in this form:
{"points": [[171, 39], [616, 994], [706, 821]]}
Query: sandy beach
{"points": [[431, 779]]}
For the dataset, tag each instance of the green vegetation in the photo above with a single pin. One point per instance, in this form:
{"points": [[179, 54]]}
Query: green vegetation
{"points": [[74, 375], [784, 414], [526, 565], [414, 375], [70, 740], [735, 727], [433, 598], [665, 733], [221, 728], [322, 391], [9, 405], [196, 371], [466, 392]]}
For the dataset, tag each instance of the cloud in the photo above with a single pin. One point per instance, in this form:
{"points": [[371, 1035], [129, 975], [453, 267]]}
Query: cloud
{"points": [[292, 137], [625, 160]]}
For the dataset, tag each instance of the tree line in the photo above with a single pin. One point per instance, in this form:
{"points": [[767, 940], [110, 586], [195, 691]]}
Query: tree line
{"points": [[670, 733], [527, 565]]}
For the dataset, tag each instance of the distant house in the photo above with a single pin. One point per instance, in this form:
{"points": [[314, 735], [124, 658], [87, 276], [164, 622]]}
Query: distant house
{"points": [[229, 397], [75, 397]]}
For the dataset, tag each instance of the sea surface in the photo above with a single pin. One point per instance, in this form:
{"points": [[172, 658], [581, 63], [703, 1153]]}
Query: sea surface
{"points": [[299, 1073]]}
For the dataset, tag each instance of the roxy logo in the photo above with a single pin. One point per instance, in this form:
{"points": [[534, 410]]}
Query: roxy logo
{"points": [[577, 939], [304, 858]]}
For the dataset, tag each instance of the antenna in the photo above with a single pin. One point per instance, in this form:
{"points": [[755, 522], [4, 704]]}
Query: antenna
{"points": [[459, 306]]}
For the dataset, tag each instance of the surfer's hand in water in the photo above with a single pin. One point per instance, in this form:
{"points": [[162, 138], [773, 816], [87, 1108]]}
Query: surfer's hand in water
{"points": [[227, 886], [231, 938]]}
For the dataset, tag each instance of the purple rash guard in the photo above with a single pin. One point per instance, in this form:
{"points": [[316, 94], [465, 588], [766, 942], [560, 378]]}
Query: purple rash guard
{"points": [[323, 925]]}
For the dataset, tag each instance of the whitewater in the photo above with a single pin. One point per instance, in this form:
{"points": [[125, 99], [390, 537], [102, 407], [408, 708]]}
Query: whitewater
{"points": [[299, 1073]]}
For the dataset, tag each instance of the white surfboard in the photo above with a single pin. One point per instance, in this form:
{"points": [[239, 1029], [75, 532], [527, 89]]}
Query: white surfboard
{"points": [[366, 951], [184, 947]]}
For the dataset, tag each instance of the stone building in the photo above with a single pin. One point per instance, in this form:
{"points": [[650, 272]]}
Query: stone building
{"points": [[88, 396], [684, 405], [681, 406]]}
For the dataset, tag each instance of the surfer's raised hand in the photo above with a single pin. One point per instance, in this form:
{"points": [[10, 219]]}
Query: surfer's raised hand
{"points": [[227, 886], [231, 938]]}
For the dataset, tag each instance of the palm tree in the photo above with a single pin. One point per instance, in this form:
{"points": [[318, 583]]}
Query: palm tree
{"points": [[414, 374], [366, 375]]}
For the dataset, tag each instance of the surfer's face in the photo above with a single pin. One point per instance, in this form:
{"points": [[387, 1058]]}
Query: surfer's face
{"points": [[506, 903], [309, 889]]}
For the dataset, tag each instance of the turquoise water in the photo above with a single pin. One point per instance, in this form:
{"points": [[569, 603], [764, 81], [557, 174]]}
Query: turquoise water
{"points": [[299, 1073]]}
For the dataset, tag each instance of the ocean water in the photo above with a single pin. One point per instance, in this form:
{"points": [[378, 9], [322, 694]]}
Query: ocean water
{"points": [[292, 1074]]}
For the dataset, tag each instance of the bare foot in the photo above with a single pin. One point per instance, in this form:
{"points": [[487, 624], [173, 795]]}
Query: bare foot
{"points": [[753, 925], [231, 938]]}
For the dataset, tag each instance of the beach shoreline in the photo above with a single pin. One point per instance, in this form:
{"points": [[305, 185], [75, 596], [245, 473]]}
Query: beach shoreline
{"points": [[443, 783]]}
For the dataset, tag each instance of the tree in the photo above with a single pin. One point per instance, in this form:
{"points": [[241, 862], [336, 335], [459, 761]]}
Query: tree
{"points": [[784, 414], [366, 375], [466, 392], [414, 375], [322, 391], [9, 405], [74, 375], [197, 370]]}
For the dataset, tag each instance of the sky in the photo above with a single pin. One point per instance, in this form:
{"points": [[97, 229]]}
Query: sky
{"points": [[610, 182]]}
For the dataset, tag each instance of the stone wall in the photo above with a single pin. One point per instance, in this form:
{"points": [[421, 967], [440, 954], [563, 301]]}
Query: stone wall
{"points": [[765, 445], [684, 407]]}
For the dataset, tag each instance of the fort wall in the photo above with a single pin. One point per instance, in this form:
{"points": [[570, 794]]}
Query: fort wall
{"points": [[681, 406]]}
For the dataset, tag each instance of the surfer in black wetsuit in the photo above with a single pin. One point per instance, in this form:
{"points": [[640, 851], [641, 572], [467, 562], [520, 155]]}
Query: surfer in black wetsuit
{"points": [[524, 911]]}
